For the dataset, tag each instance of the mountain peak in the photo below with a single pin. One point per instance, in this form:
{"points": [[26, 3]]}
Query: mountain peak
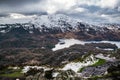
{"points": [[57, 20]]}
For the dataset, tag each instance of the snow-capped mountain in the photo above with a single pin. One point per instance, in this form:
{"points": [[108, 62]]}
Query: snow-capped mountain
{"points": [[46, 23], [62, 22], [58, 22], [66, 26]]}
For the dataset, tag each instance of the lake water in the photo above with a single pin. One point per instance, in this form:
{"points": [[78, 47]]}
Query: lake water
{"points": [[66, 43]]}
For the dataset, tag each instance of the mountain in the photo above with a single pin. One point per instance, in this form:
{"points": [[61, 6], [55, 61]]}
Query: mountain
{"points": [[63, 26], [47, 29]]}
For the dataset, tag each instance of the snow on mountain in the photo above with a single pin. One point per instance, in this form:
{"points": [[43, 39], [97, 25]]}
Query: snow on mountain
{"points": [[110, 26], [58, 23], [55, 21], [69, 42], [67, 23]]}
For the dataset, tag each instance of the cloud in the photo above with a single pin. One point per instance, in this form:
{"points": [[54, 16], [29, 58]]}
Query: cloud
{"points": [[111, 18], [80, 9], [101, 3], [19, 16], [13, 3], [119, 9], [88, 10], [53, 6], [109, 3], [3, 15]]}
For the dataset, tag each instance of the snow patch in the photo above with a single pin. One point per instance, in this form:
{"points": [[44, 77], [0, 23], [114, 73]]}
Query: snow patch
{"points": [[70, 42], [67, 43], [75, 66], [2, 31], [101, 56], [55, 74], [27, 68]]}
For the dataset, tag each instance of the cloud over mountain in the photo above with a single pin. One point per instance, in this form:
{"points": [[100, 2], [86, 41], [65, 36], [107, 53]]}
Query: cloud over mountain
{"points": [[98, 11]]}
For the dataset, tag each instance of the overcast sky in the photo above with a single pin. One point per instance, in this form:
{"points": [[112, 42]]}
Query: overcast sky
{"points": [[93, 11]]}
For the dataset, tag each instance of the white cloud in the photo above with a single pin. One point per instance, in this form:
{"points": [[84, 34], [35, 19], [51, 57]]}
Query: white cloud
{"points": [[87, 2], [109, 3], [104, 15], [119, 8], [19, 16], [101, 3], [16, 16], [52, 6], [80, 9], [110, 18]]}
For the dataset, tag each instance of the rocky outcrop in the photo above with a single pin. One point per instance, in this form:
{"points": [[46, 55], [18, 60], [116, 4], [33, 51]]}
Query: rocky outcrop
{"points": [[66, 75], [63, 75]]}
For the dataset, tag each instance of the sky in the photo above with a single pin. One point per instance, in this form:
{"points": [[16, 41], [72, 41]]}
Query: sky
{"points": [[91, 11]]}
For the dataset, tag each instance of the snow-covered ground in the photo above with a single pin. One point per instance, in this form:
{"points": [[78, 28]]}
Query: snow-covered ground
{"points": [[55, 74], [108, 49], [107, 58], [27, 68], [117, 43], [67, 43], [70, 42], [2, 31], [76, 66]]}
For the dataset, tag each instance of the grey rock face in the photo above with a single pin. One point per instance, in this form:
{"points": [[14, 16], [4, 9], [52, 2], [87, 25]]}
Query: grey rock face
{"points": [[66, 75]]}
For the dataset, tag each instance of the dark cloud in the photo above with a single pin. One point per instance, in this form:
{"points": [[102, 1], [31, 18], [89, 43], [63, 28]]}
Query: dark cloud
{"points": [[3, 15], [109, 11], [26, 14], [18, 6], [91, 8], [11, 3], [34, 13]]}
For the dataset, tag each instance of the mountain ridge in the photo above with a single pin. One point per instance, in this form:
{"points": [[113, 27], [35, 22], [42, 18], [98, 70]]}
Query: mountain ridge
{"points": [[62, 26]]}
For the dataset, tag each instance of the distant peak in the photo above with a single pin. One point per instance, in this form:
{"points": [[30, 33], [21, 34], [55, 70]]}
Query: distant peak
{"points": [[56, 20]]}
